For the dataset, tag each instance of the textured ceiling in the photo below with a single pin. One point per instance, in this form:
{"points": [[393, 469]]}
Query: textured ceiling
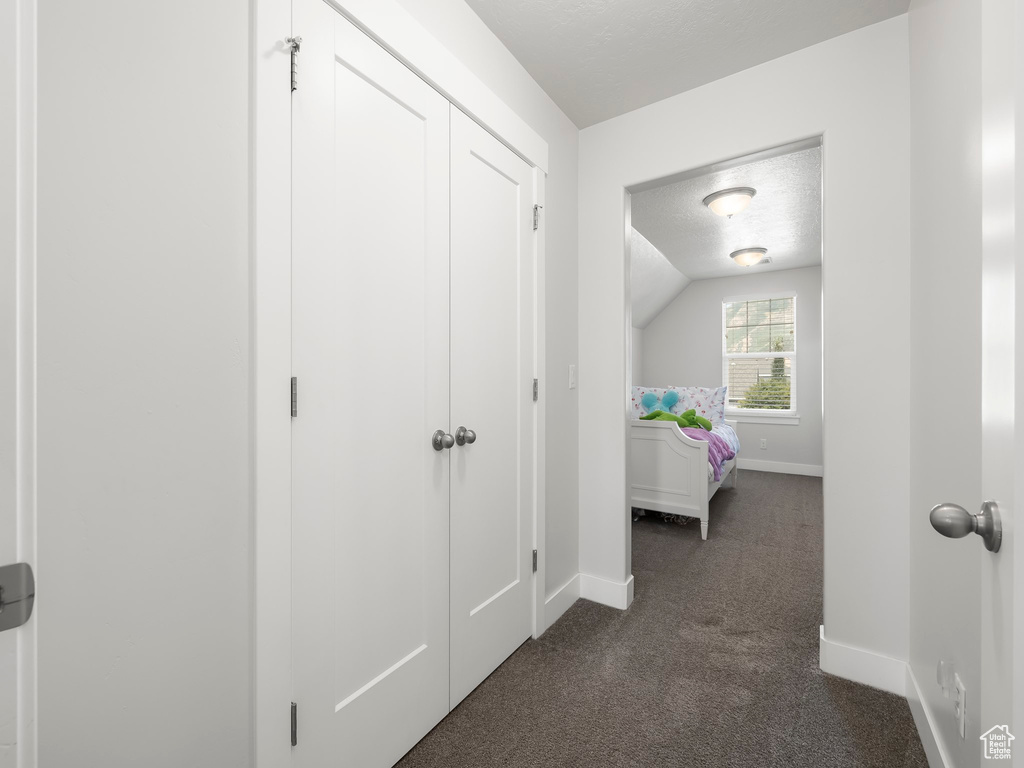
{"points": [[653, 281], [602, 58], [784, 216]]}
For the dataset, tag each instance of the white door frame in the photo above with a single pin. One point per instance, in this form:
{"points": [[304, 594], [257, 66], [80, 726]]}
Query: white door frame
{"points": [[18, 308], [270, 213]]}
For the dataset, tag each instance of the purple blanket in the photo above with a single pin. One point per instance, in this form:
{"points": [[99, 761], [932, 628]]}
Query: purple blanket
{"points": [[719, 451]]}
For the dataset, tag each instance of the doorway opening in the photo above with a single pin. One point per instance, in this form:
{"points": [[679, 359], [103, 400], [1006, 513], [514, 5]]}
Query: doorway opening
{"points": [[725, 318]]}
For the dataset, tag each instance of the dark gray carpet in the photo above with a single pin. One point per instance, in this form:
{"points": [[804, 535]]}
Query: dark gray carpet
{"points": [[714, 664]]}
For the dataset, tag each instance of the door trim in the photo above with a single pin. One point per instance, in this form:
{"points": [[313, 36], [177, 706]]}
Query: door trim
{"points": [[20, 255], [270, 260], [540, 412], [270, 328]]}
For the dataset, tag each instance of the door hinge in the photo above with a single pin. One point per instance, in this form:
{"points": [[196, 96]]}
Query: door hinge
{"points": [[294, 43], [295, 395], [536, 217], [295, 724], [536, 390], [535, 561]]}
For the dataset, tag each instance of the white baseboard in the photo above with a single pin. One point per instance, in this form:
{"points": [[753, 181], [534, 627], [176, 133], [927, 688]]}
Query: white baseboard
{"points": [[561, 600], [611, 593], [783, 467], [861, 666], [926, 728]]}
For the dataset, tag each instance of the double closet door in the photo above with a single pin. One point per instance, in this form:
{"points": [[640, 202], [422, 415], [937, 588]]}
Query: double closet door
{"points": [[413, 312]]}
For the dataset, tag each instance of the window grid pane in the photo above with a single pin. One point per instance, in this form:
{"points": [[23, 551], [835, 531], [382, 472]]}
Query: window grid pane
{"points": [[760, 326], [736, 340], [758, 313], [782, 311], [760, 382], [736, 314], [782, 338], [760, 339]]}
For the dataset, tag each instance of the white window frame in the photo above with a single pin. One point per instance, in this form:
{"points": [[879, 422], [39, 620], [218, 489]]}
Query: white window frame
{"points": [[789, 416]]}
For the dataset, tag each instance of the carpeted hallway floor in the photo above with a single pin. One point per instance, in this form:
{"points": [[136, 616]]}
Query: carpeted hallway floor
{"points": [[714, 664]]}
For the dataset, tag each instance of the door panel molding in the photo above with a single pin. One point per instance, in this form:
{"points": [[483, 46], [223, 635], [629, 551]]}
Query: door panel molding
{"points": [[379, 678], [495, 596]]}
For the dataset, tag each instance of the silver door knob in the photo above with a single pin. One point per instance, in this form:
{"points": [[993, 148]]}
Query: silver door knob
{"points": [[954, 521], [441, 440], [464, 436], [17, 595]]}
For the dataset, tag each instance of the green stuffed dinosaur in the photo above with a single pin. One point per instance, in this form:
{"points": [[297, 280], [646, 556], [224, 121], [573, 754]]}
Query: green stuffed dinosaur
{"points": [[685, 419]]}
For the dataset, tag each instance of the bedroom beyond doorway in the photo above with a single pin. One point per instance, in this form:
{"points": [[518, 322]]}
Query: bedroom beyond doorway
{"points": [[726, 306]]}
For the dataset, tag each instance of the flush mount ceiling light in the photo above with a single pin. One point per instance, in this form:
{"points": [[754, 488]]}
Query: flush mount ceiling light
{"points": [[730, 201], [748, 257]]}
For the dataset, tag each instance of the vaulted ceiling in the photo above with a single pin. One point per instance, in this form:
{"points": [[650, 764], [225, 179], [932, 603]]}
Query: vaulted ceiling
{"points": [[602, 58], [653, 281]]}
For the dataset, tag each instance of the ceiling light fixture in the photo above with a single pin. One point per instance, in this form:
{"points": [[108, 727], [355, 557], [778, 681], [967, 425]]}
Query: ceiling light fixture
{"points": [[730, 201], [748, 257]]}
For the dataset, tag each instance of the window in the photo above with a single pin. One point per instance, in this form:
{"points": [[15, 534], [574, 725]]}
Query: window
{"points": [[759, 354]]}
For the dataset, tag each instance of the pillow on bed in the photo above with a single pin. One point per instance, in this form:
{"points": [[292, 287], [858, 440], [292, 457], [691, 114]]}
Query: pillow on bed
{"points": [[636, 409], [708, 402], [656, 400]]}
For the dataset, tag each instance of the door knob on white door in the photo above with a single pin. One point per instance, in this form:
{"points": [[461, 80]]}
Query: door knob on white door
{"points": [[954, 521], [464, 436], [441, 440], [17, 595]]}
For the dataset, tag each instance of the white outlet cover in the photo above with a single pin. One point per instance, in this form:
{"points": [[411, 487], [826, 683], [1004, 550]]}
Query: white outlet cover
{"points": [[572, 377]]}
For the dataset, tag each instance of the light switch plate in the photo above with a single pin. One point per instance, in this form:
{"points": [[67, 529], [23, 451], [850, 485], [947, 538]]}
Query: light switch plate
{"points": [[572, 377], [960, 706], [944, 676]]}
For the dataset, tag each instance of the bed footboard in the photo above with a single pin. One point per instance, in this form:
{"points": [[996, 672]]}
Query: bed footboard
{"points": [[669, 471]]}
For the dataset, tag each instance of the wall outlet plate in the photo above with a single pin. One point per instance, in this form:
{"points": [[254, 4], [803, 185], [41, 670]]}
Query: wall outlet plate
{"points": [[960, 706], [572, 377], [764, 443]]}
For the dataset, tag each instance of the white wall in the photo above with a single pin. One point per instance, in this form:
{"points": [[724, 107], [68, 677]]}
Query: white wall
{"points": [[460, 30], [945, 375], [854, 90], [683, 347], [637, 356], [143, 374]]}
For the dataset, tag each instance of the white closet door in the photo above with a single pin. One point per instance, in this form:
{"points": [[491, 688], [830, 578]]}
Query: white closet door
{"points": [[492, 345], [370, 347]]}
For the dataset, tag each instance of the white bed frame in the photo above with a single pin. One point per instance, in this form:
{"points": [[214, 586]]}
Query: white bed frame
{"points": [[670, 471]]}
